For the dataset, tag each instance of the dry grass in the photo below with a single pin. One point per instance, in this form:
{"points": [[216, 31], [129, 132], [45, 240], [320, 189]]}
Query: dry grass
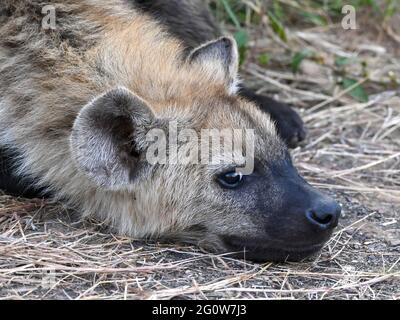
{"points": [[353, 153]]}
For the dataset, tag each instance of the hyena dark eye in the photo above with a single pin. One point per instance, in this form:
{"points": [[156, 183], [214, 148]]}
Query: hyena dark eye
{"points": [[230, 180]]}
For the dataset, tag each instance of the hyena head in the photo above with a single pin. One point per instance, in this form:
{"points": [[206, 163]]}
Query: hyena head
{"points": [[232, 188]]}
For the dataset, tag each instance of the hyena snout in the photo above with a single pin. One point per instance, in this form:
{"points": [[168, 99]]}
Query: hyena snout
{"points": [[294, 226], [324, 214], [306, 219]]}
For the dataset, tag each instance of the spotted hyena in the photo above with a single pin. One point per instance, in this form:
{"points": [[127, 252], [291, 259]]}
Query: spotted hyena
{"points": [[82, 103]]}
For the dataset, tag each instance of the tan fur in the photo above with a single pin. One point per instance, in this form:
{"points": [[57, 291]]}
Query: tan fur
{"points": [[48, 76]]}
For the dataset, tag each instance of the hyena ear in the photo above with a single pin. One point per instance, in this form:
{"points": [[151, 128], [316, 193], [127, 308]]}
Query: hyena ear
{"points": [[106, 135], [220, 58]]}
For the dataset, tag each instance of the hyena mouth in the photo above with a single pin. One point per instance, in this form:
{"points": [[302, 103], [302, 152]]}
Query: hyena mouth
{"points": [[258, 252]]}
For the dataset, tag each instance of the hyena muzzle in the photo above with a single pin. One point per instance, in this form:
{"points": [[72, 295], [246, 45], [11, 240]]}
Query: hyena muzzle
{"points": [[78, 103]]}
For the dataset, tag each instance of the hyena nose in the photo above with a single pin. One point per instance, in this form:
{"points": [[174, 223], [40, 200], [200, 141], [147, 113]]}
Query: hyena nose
{"points": [[324, 215]]}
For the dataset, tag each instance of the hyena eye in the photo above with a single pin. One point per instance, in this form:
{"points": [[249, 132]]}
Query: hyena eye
{"points": [[231, 179]]}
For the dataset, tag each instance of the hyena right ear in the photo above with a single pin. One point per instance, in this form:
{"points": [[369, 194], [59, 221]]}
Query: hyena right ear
{"points": [[106, 138], [221, 59]]}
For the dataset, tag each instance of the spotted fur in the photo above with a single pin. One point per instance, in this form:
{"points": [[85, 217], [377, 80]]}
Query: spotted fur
{"points": [[103, 52]]}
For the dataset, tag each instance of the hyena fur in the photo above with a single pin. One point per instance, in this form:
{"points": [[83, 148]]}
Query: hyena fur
{"points": [[77, 101]]}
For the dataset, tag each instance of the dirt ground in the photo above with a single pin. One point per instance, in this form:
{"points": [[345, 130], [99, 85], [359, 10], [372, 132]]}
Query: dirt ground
{"points": [[352, 152]]}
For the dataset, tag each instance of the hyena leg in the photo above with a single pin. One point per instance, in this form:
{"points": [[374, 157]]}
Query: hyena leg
{"points": [[192, 22], [10, 182], [289, 124]]}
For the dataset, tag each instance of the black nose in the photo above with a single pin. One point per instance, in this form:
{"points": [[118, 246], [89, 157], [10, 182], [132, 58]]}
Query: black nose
{"points": [[324, 215]]}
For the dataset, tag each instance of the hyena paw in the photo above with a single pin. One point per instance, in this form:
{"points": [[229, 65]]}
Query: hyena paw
{"points": [[289, 124]]}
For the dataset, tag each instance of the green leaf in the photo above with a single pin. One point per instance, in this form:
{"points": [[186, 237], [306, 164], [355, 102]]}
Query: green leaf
{"points": [[391, 8], [278, 10], [277, 26], [298, 59], [231, 14], [342, 61], [371, 3], [264, 59], [358, 92], [242, 55], [241, 16], [315, 19], [242, 38]]}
